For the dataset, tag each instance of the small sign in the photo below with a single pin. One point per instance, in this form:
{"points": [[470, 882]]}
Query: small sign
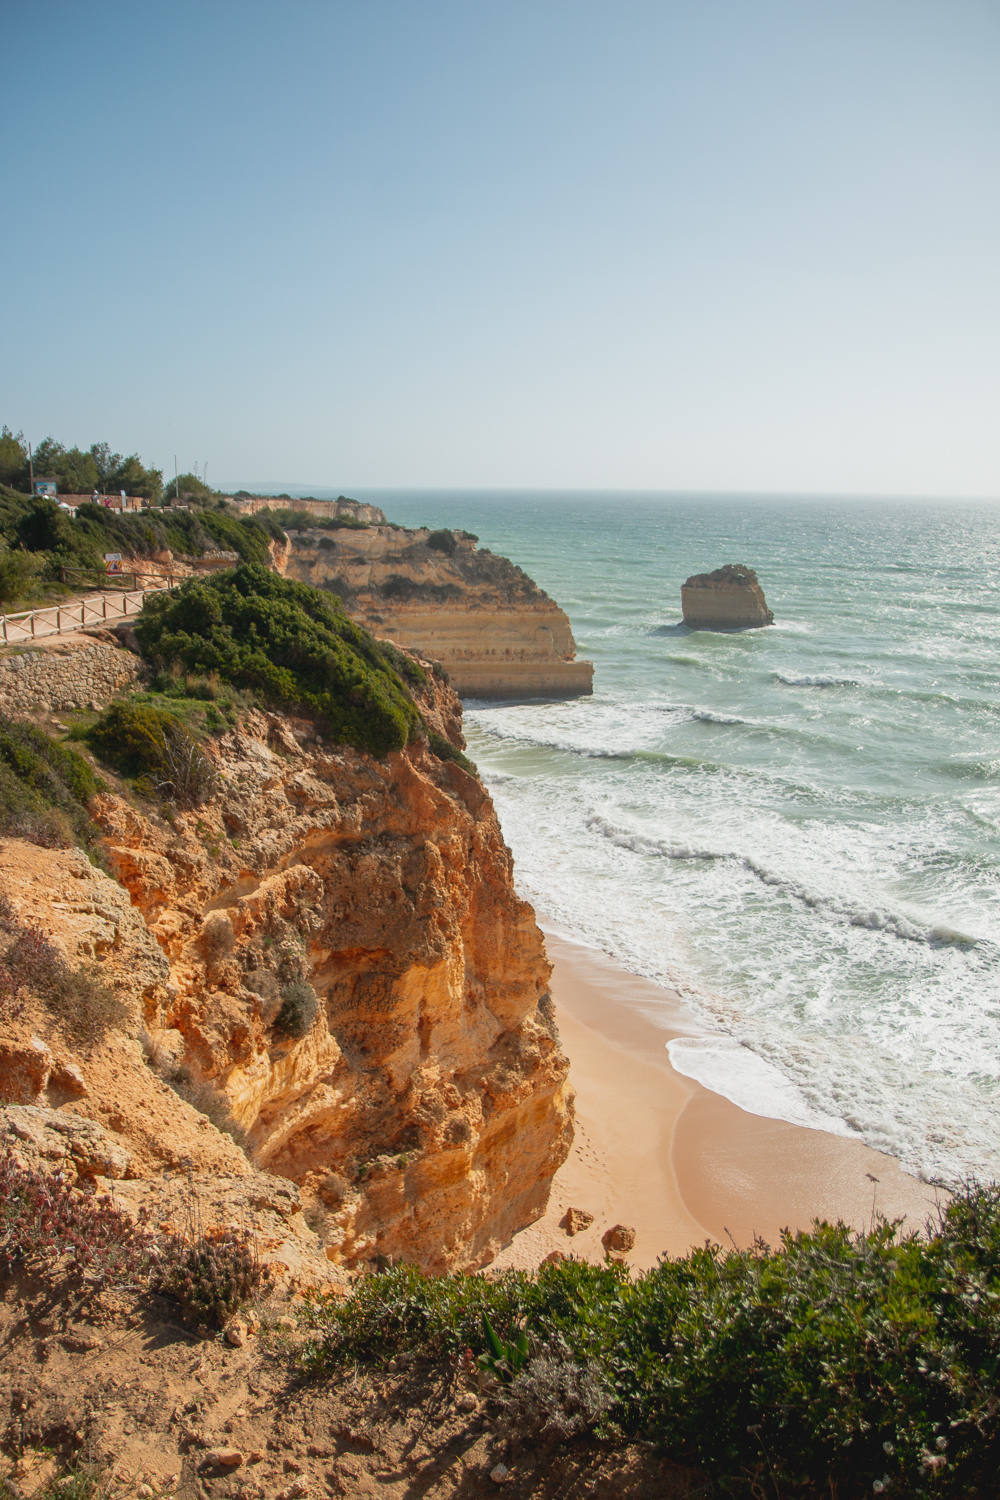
{"points": [[113, 562]]}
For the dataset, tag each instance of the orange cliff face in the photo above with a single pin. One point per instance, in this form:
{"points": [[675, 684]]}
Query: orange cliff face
{"points": [[495, 631], [426, 1109]]}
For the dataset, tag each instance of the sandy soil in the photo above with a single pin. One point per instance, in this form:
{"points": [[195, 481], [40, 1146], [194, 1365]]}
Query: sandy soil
{"points": [[667, 1157]]}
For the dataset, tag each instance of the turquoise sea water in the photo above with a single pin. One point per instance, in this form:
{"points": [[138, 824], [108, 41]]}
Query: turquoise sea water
{"points": [[798, 826]]}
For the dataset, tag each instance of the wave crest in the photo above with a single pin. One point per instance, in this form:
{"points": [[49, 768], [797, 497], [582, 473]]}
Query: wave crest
{"points": [[837, 908]]}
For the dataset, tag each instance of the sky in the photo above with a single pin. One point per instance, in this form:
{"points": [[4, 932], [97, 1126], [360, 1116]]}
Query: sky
{"points": [[650, 244]]}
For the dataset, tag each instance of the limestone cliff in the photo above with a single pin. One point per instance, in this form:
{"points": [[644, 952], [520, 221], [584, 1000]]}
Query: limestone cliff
{"points": [[497, 634], [349, 510], [730, 598], [425, 1109]]}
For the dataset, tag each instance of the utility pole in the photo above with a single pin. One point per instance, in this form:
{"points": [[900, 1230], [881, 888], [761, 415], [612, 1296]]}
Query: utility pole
{"points": [[177, 488], [31, 469]]}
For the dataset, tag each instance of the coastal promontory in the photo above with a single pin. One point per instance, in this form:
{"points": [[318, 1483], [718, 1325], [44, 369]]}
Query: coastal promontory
{"points": [[730, 598], [497, 634]]}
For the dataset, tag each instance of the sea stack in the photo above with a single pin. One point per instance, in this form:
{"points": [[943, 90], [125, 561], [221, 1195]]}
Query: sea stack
{"points": [[728, 599]]}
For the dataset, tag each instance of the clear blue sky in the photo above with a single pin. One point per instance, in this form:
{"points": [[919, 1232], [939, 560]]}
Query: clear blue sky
{"points": [[672, 244]]}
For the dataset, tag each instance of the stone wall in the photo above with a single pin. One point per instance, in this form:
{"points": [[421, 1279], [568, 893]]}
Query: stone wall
{"points": [[70, 675]]}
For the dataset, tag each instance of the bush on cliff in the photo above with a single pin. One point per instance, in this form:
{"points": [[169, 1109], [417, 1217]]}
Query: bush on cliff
{"points": [[157, 749], [79, 1000], [290, 519], [837, 1364], [289, 643], [44, 788], [442, 541]]}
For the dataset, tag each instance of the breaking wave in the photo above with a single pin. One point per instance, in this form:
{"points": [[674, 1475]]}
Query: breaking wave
{"points": [[838, 908]]}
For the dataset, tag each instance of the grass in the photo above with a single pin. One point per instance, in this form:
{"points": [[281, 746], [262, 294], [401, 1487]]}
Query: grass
{"points": [[836, 1364]]}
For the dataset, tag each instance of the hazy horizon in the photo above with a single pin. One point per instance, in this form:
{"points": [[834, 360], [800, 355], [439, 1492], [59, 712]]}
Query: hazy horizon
{"points": [[649, 245]]}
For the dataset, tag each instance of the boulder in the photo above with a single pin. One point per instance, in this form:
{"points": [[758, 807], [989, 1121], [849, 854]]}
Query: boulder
{"points": [[619, 1237], [574, 1220]]}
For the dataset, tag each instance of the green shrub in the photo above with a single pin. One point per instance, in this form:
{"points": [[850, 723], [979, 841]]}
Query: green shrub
{"points": [[287, 518], [443, 541], [290, 643], [58, 540], [836, 1364], [445, 750], [44, 788], [157, 749], [299, 1009], [17, 572]]}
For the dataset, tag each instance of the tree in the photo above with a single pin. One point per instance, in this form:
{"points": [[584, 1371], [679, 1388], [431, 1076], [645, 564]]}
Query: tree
{"points": [[106, 463], [13, 459], [75, 471], [130, 475]]}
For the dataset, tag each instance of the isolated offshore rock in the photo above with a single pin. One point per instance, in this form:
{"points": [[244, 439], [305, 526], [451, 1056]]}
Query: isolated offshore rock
{"points": [[730, 598]]}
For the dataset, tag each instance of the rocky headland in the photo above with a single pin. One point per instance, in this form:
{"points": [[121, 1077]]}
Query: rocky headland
{"points": [[496, 632], [424, 1110], [730, 598]]}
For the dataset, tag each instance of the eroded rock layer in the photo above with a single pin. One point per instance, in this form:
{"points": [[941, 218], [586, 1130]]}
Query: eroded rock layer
{"points": [[425, 1107], [497, 634]]}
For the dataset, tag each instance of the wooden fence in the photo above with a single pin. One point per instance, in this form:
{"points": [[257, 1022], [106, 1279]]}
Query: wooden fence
{"points": [[98, 609]]}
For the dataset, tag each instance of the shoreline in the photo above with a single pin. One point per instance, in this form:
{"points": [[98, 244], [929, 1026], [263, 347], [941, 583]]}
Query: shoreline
{"points": [[661, 1153]]}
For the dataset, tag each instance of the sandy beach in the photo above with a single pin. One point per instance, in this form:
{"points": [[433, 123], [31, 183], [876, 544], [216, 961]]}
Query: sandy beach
{"points": [[679, 1164]]}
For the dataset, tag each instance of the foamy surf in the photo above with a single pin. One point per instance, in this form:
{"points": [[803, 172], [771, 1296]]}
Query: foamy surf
{"points": [[797, 827], [722, 1064]]}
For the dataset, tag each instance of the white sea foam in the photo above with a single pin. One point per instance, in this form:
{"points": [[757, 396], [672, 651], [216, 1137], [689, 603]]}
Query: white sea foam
{"points": [[818, 878], [722, 1064], [818, 679], [830, 905]]}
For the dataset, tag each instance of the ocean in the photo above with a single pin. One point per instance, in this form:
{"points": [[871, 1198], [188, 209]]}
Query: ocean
{"points": [[797, 827]]}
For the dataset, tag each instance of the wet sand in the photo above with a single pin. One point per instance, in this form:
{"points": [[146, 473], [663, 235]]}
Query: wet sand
{"points": [[658, 1152]]}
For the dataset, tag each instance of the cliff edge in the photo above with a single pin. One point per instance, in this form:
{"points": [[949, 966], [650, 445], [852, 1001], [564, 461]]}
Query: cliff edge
{"points": [[497, 634], [730, 598], [330, 951]]}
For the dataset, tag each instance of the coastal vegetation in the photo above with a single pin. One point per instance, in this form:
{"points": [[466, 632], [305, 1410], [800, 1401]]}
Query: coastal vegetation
{"points": [[290, 519], [38, 540], [77, 471], [292, 645], [45, 787], [837, 1364]]}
